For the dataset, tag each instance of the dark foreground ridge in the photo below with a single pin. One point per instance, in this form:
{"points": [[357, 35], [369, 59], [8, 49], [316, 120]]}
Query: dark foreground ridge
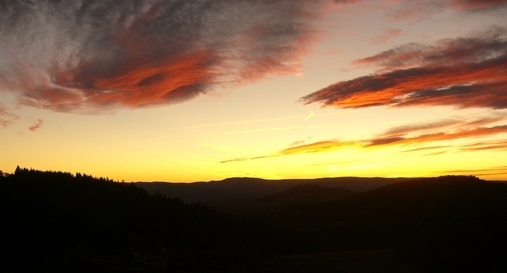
{"points": [[60, 222]]}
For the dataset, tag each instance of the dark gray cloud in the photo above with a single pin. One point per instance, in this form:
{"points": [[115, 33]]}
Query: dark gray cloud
{"points": [[82, 55], [423, 9], [480, 47]]}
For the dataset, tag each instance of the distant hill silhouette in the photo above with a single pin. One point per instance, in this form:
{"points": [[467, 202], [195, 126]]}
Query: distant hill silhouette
{"points": [[241, 188]]}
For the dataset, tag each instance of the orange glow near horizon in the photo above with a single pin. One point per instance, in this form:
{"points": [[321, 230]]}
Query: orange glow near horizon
{"points": [[275, 90]]}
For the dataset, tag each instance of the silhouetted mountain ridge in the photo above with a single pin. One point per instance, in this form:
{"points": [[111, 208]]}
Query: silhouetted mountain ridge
{"points": [[241, 188]]}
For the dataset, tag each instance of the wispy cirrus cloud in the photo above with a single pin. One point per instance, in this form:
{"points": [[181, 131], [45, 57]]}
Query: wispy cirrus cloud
{"points": [[485, 145], [407, 129], [75, 56], [320, 146], [499, 170], [239, 159], [425, 149], [451, 124], [316, 147], [414, 9], [463, 72], [424, 138], [36, 126], [410, 135], [449, 129], [385, 36], [7, 118], [346, 1]]}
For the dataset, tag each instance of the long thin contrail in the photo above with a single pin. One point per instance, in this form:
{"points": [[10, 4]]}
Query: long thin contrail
{"points": [[245, 121], [256, 131], [269, 130]]}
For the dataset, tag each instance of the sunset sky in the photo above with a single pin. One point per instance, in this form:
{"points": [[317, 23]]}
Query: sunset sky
{"points": [[208, 89]]}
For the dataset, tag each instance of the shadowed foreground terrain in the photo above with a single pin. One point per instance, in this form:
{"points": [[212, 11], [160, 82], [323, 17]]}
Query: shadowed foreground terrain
{"points": [[445, 224], [60, 222], [54, 221]]}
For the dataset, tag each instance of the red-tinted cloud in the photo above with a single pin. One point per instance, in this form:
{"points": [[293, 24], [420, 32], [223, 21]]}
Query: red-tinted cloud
{"points": [[36, 126], [73, 56], [463, 72], [476, 4], [7, 118]]}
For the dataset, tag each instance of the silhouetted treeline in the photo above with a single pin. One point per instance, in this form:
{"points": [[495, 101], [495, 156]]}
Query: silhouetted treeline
{"points": [[50, 216]]}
